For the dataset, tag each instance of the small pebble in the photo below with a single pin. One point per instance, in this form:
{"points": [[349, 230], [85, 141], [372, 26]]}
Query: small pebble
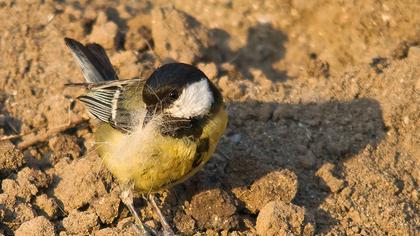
{"points": [[406, 120], [279, 218], [328, 179], [236, 138], [46, 204], [184, 223]]}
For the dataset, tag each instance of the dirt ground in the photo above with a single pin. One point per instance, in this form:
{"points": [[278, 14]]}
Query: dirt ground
{"points": [[324, 119]]}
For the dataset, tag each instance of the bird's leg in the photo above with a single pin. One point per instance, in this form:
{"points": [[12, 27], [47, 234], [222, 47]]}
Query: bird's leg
{"points": [[127, 198], [167, 230]]}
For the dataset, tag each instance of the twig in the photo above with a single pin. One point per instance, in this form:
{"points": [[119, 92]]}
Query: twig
{"points": [[9, 137], [44, 136]]}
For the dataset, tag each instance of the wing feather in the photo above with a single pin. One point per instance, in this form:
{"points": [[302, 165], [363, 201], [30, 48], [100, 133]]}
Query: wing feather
{"points": [[95, 64], [113, 101], [116, 103]]}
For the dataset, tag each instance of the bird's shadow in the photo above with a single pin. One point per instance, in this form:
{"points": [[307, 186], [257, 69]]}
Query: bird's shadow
{"points": [[332, 132], [264, 47]]}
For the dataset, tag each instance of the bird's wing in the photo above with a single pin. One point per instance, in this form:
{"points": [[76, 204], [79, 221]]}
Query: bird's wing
{"points": [[93, 60], [118, 103]]}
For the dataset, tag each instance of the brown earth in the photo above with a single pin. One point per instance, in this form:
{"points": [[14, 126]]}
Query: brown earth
{"points": [[323, 100]]}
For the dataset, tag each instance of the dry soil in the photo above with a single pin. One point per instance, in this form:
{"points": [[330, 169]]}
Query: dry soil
{"points": [[323, 101]]}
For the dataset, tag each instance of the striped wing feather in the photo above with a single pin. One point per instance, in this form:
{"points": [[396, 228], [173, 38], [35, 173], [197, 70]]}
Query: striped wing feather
{"points": [[116, 103]]}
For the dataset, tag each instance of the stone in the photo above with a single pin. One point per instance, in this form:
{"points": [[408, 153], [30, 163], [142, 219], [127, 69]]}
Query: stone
{"points": [[328, 179], [38, 226], [80, 222], [106, 207], [184, 223], [10, 158], [47, 205], [80, 182], [280, 218], [213, 209]]}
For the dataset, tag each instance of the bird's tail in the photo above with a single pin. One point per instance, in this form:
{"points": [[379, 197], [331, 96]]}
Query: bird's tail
{"points": [[95, 64]]}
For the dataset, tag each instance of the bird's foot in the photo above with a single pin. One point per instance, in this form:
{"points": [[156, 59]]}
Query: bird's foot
{"points": [[140, 229], [167, 230]]}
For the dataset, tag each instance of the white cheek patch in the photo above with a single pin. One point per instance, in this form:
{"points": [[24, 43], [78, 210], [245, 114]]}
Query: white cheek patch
{"points": [[195, 100]]}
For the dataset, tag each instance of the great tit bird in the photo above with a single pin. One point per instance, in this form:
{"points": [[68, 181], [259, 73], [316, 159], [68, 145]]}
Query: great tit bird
{"points": [[154, 133]]}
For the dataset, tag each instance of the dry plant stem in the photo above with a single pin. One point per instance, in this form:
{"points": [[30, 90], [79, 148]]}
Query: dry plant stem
{"points": [[13, 136], [167, 230], [44, 136]]}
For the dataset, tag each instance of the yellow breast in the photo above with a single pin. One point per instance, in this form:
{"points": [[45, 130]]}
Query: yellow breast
{"points": [[153, 161]]}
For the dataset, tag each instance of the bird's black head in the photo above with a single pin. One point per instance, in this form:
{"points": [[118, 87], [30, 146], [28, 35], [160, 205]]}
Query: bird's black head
{"points": [[180, 91]]}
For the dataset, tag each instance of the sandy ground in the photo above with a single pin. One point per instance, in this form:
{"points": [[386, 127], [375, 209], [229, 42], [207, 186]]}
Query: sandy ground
{"points": [[323, 100]]}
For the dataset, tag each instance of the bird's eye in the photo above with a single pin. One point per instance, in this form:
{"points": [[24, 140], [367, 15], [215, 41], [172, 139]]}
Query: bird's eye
{"points": [[173, 94]]}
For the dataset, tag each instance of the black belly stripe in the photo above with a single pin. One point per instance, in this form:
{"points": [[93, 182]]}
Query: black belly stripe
{"points": [[202, 148]]}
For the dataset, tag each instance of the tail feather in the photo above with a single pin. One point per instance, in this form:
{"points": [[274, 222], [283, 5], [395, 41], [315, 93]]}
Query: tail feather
{"points": [[95, 64]]}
